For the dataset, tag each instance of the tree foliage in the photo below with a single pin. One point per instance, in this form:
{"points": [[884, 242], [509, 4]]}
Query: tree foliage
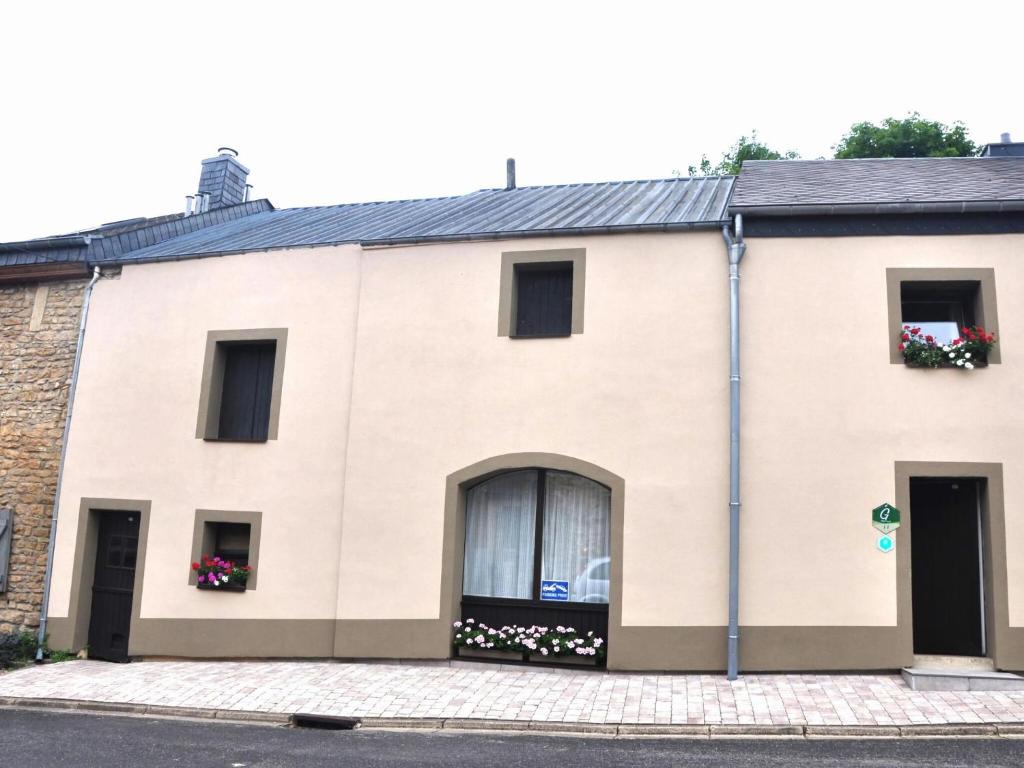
{"points": [[912, 136], [745, 148]]}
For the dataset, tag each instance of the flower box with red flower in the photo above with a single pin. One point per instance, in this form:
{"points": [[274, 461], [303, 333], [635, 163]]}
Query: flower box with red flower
{"points": [[215, 573], [967, 351]]}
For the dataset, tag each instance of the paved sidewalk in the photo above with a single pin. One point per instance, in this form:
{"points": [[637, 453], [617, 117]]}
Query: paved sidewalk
{"points": [[492, 692]]}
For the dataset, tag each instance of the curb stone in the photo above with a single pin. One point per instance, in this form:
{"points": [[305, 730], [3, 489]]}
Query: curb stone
{"points": [[421, 723], [682, 729], [958, 729], [756, 730], [851, 731], [590, 728], [947, 730]]}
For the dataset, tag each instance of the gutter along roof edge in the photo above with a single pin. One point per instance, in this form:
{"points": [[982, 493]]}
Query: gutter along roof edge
{"points": [[426, 240]]}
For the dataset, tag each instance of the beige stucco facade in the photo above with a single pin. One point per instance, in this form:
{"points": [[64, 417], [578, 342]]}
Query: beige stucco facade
{"points": [[398, 386]]}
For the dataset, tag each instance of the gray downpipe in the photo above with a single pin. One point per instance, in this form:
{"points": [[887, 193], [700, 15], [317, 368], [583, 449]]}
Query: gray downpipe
{"points": [[44, 612], [736, 248]]}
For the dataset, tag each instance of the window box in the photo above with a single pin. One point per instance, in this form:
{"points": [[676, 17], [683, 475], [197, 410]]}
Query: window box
{"points": [[490, 654], [222, 587], [216, 573], [549, 645], [572, 661], [969, 349]]}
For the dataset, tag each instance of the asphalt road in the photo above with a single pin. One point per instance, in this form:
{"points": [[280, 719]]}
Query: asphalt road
{"points": [[44, 739]]}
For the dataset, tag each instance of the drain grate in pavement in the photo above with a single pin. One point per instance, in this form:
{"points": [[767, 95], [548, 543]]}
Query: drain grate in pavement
{"points": [[324, 722]]}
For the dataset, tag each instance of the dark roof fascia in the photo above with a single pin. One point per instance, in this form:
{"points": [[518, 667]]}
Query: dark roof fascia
{"points": [[37, 273], [46, 244], [869, 209], [894, 225], [434, 239]]}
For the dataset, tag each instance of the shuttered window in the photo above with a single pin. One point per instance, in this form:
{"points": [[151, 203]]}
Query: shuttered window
{"points": [[248, 386], [543, 299]]}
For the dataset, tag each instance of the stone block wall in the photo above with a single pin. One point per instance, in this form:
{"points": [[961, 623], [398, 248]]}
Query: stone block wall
{"points": [[38, 334]]}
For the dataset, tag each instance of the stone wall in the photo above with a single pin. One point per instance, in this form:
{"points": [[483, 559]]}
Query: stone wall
{"points": [[38, 334]]}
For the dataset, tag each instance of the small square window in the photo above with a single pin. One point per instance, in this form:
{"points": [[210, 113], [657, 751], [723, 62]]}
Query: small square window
{"points": [[230, 535], [240, 397], [543, 299], [941, 301], [541, 293]]}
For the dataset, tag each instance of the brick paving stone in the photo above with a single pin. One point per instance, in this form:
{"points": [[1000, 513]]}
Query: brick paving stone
{"points": [[492, 692]]}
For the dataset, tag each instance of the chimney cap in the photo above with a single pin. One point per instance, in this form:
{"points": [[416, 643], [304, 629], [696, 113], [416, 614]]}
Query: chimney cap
{"points": [[227, 151]]}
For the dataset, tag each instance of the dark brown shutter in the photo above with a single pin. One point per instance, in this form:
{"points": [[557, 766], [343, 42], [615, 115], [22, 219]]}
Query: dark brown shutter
{"points": [[248, 384], [544, 299]]}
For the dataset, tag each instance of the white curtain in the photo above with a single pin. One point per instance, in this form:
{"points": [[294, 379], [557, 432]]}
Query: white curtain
{"points": [[576, 536], [500, 518]]}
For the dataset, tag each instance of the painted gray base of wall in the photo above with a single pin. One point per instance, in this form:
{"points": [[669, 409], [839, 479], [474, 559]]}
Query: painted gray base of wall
{"points": [[764, 649], [680, 649]]}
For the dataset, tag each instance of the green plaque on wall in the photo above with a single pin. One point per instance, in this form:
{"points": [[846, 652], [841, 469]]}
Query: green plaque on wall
{"points": [[885, 518]]}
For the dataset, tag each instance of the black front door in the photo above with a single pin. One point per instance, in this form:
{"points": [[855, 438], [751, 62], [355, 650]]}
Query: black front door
{"points": [[116, 552], [946, 562]]}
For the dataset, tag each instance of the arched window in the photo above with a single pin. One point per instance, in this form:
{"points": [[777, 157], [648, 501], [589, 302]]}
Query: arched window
{"points": [[538, 535]]}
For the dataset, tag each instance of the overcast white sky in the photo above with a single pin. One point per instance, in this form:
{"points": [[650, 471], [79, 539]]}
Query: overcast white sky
{"points": [[108, 107]]}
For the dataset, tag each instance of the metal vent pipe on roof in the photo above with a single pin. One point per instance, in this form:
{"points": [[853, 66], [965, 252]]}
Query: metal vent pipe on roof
{"points": [[510, 173], [248, 193], [1005, 138]]}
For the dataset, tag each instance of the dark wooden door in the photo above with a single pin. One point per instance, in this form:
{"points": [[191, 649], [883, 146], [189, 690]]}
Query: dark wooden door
{"points": [[946, 567], [117, 549]]}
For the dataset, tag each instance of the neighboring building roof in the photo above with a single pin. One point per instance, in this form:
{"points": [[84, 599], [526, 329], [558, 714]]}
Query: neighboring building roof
{"points": [[628, 206], [112, 241], [884, 185]]}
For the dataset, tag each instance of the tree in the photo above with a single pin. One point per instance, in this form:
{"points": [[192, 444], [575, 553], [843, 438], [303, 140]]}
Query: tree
{"points": [[912, 136], [745, 148]]}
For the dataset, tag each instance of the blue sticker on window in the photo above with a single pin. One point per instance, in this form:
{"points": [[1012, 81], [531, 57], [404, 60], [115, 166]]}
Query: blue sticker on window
{"points": [[554, 590]]}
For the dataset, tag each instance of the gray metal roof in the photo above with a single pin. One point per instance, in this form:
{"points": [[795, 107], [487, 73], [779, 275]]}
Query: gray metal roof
{"points": [[882, 185], [112, 241], [627, 206]]}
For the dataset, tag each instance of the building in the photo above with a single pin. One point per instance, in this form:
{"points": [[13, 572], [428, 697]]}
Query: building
{"points": [[42, 286], [405, 414]]}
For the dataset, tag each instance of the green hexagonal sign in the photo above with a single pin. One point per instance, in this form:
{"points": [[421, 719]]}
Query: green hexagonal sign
{"points": [[886, 518]]}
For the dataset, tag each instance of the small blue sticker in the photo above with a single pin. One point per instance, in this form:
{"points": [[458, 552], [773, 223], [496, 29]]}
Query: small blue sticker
{"points": [[554, 590], [886, 543]]}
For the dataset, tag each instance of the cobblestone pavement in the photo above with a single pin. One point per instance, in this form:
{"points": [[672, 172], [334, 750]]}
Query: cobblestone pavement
{"points": [[490, 691]]}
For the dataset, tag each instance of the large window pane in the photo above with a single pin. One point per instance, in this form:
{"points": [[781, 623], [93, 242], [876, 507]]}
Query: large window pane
{"points": [[576, 536], [500, 518]]}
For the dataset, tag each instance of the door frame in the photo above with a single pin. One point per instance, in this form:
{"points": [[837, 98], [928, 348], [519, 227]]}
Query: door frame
{"points": [[996, 629], [73, 632]]}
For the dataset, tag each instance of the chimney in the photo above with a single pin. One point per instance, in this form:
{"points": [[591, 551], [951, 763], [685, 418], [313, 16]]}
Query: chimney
{"points": [[1006, 147], [510, 173], [222, 180]]}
